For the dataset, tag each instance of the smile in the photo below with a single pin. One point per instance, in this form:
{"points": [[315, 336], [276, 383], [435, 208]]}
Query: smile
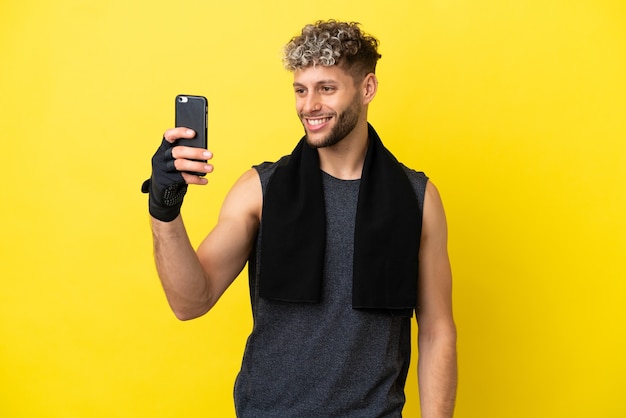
{"points": [[317, 122]]}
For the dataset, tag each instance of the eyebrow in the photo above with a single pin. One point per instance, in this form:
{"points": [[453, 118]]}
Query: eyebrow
{"points": [[296, 84]]}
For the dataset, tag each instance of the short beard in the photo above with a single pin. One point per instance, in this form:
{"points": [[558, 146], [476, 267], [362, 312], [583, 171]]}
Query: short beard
{"points": [[346, 122]]}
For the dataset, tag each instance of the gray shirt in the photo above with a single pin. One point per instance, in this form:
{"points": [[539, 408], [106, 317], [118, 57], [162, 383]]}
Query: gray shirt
{"points": [[325, 359]]}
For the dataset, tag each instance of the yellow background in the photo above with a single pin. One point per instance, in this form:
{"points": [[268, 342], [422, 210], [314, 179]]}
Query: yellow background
{"points": [[515, 109]]}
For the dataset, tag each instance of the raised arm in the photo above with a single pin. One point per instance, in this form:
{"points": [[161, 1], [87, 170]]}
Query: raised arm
{"points": [[193, 281], [437, 366]]}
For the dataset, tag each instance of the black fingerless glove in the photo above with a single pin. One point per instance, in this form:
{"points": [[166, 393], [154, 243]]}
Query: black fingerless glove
{"points": [[166, 188]]}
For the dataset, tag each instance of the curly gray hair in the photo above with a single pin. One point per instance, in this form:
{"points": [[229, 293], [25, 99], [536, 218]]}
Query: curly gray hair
{"points": [[330, 43]]}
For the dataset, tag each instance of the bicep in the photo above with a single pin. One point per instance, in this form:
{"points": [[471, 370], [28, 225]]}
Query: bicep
{"points": [[225, 250]]}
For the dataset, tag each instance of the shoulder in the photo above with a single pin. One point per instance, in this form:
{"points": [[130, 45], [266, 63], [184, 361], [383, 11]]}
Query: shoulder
{"points": [[419, 181], [417, 178], [434, 218], [247, 192], [266, 169], [245, 197], [432, 197], [430, 202]]}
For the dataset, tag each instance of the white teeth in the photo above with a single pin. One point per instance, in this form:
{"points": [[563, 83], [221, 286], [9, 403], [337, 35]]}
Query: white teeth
{"points": [[318, 121]]}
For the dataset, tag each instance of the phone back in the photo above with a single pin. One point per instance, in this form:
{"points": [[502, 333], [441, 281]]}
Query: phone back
{"points": [[191, 112]]}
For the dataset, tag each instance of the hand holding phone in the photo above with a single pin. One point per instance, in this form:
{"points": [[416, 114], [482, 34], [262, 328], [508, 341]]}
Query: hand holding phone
{"points": [[167, 186]]}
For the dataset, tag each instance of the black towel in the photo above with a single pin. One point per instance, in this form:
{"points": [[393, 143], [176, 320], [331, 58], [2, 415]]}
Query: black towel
{"points": [[386, 241]]}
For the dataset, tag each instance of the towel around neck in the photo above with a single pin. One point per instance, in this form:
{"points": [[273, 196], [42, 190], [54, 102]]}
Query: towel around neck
{"points": [[386, 241]]}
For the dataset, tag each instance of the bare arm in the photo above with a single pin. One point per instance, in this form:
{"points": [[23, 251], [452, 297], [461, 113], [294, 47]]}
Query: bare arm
{"points": [[437, 365], [193, 281]]}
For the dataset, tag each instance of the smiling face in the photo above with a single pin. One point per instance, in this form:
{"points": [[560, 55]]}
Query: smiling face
{"points": [[328, 103]]}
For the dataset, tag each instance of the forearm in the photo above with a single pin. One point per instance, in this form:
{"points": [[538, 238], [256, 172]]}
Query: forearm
{"points": [[180, 271], [437, 373]]}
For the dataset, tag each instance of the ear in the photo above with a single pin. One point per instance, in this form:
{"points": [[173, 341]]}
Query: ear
{"points": [[369, 88]]}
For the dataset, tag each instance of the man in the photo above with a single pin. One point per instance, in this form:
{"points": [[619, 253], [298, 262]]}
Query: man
{"points": [[343, 243]]}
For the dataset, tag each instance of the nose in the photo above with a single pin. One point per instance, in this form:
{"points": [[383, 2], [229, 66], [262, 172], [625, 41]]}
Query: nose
{"points": [[311, 103]]}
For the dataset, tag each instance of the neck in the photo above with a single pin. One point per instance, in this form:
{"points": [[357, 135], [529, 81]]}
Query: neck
{"points": [[345, 159]]}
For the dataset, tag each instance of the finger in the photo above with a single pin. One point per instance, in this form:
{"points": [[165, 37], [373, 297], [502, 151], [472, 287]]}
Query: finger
{"points": [[193, 166], [191, 153], [173, 134], [193, 179]]}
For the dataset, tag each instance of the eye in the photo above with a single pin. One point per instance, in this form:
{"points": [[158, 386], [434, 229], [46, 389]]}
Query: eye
{"points": [[328, 89], [299, 91]]}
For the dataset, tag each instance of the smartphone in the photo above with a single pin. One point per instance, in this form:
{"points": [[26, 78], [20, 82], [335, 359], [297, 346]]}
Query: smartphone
{"points": [[191, 112]]}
